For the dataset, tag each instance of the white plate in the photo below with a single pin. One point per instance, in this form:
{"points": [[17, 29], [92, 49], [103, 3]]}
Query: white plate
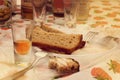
{"points": [[91, 52]]}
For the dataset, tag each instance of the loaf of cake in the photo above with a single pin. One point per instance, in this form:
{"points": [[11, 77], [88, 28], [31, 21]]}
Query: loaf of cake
{"points": [[56, 42], [63, 65]]}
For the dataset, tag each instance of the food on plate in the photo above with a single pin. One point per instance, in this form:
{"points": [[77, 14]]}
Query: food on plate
{"points": [[57, 42], [64, 65], [100, 74], [114, 66]]}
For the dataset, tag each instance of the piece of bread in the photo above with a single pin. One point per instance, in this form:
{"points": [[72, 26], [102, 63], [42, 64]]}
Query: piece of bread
{"points": [[56, 42], [63, 65]]}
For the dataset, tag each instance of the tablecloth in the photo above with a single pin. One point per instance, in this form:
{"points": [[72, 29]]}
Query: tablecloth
{"points": [[104, 17]]}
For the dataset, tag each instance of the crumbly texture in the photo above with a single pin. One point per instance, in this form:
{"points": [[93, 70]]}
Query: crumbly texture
{"points": [[50, 41], [64, 65]]}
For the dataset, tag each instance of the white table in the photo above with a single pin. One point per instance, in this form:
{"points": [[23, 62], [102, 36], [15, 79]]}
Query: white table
{"points": [[104, 18]]}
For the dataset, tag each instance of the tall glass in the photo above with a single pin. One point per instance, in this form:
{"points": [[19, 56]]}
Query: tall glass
{"points": [[22, 31], [70, 11], [83, 10], [58, 11], [5, 12], [39, 10]]}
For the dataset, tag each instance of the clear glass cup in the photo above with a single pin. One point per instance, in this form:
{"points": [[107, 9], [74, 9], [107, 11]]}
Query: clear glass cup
{"points": [[58, 11], [70, 12], [83, 10], [26, 9], [21, 32], [39, 10], [5, 12]]}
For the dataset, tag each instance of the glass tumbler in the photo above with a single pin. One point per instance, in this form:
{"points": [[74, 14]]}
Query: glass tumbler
{"points": [[22, 32], [39, 10], [70, 12], [83, 10]]}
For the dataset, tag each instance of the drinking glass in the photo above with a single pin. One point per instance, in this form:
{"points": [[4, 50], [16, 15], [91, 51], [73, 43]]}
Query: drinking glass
{"points": [[39, 10], [70, 12], [58, 11], [21, 32], [83, 10]]}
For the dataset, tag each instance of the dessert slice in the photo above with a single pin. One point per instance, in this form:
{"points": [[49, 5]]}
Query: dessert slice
{"points": [[64, 65]]}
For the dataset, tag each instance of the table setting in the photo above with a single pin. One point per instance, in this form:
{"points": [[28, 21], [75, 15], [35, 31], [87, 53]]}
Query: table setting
{"points": [[29, 49]]}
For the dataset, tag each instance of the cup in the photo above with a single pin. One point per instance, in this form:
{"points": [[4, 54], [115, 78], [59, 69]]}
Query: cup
{"points": [[21, 32], [58, 11], [70, 12], [5, 12], [39, 10], [83, 10]]}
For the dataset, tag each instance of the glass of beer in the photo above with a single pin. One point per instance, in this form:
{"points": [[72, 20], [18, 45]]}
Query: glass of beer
{"points": [[22, 31]]}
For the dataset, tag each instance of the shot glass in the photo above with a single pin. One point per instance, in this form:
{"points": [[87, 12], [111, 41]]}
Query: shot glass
{"points": [[39, 10], [21, 32], [58, 11], [70, 12], [83, 10]]}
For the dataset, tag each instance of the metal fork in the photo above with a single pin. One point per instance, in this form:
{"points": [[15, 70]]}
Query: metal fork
{"points": [[89, 36], [22, 72]]}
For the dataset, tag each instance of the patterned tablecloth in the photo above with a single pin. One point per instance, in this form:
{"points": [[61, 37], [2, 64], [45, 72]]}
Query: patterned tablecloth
{"points": [[104, 17], [102, 13]]}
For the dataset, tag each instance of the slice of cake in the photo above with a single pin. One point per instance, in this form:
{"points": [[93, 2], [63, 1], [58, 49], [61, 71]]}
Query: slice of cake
{"points": [[63, 65], [56, 42]]}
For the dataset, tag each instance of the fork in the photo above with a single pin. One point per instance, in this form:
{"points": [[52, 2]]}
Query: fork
{"points": [[22, 72], [89, 36]]}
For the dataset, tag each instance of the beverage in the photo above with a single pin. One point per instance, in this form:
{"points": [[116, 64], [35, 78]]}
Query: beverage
{"points": [[22, 33], [58, 14], [83, 10], [26, 9], [58, 8], [22, 47]]}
